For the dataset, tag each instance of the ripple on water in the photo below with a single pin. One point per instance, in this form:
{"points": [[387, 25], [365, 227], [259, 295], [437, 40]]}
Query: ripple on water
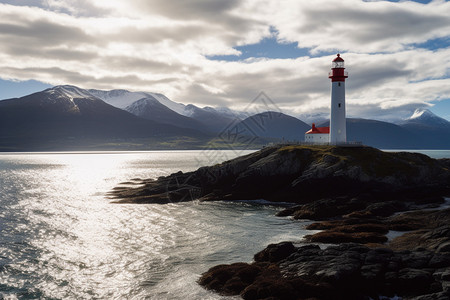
{"points": [[62, 239]]}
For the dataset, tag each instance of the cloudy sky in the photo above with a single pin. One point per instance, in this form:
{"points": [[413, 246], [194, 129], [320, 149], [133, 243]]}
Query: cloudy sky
{"points": [[224, 53]]}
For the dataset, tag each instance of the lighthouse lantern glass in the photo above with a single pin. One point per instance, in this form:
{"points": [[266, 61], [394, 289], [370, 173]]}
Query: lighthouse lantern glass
{"points": [[338, 64]]}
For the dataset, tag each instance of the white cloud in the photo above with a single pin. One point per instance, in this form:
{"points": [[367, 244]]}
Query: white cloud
{"points": [[358, 26], [162, 46]]}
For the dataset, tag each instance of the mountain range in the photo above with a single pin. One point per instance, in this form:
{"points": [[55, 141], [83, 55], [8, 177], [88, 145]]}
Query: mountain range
{"points": [[70, 118]]}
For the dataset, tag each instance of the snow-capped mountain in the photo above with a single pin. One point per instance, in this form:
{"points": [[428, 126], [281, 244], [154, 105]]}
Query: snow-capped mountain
{"points": [[215, 121], [123, 98], [117, 98], [67, 117], [175, 106], [227, 112], [66, 98], [426, 117], [70, 92], [433, 131], [141, 106], [152, 109]]}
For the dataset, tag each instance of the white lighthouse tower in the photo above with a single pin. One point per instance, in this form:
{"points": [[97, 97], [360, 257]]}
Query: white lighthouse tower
{"points": [[338, 131]]}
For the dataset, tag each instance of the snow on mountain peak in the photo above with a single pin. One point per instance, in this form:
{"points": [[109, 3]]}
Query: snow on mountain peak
{"points": [[124, 98], [71, 91], [118, 98], [137, 107], [425, 116], [175, 106], [420, 112]]}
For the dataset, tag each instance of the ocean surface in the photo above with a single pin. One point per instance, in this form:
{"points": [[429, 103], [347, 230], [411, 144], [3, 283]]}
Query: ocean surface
{"points": [[61, 238], [430, 153]]}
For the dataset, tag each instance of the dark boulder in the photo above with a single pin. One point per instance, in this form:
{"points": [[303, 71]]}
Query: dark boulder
{"points": [[346, 271], [230, 279], [336, 237], [275, 252]]}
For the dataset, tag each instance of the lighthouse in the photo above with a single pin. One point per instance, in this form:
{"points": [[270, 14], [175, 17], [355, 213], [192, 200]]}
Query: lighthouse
{"points": [[338, 131]]}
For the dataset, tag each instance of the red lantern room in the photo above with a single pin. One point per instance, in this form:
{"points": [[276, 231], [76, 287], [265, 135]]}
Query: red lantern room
{"points": [[337, 70]]}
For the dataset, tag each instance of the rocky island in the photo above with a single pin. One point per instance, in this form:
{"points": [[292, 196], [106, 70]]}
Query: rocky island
{"points": [[358, 197]]}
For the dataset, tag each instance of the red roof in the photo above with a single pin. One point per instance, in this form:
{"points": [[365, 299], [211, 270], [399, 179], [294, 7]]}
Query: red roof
{"points": [[316, 130], [338, 58]]}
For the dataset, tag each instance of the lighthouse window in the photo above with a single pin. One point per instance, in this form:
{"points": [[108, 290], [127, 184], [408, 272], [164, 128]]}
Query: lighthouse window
{"points": [[339, 84], [339, 105]]}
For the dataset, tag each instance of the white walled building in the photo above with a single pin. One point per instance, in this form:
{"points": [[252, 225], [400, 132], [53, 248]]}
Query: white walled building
{"points": [[318, 135]]}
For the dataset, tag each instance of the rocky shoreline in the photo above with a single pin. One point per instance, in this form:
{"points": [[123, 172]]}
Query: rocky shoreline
{"points": [[357, 195], [346, 271], [415, 265]]}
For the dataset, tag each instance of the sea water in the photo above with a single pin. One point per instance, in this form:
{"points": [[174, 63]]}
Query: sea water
{"points": [[61, 238], [431, 153]]}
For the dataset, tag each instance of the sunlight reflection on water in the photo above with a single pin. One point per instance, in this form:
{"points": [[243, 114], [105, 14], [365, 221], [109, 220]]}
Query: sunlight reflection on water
{"points": [[60, 237]]}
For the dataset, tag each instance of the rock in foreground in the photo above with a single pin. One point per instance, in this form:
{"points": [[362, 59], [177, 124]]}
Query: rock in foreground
{"points": [[415, 265], [347, 271]]}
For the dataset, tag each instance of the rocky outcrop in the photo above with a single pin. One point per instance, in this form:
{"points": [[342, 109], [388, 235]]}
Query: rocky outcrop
{"points": [[367, 205], [299, 174], [346, 271], [428, 229], [415, 265]]}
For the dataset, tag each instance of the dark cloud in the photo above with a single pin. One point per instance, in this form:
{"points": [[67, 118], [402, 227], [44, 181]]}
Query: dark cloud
{"points": [[17, 50], [215, 13], [316, 83], [392, 23], [375, 74], [368, 27], [44, 33], [197, 94], [188, 9], [86, 81], [52, 72]]}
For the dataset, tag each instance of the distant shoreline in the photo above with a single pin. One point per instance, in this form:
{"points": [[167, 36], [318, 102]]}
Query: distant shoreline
{"points": [[429, 152]]}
